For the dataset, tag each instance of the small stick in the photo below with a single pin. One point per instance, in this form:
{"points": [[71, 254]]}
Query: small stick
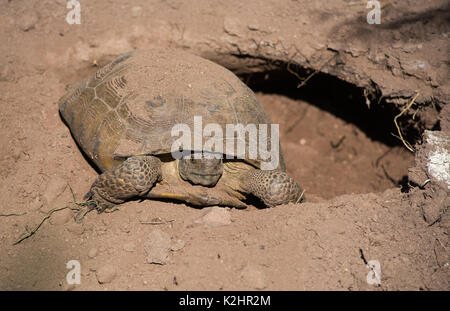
{"points": [[316, 71], [112, 210], [300, 198], [156, 222], [339, 142], [13, 214], [291, 71], [73, 193], [30, 233], [407, 145]]}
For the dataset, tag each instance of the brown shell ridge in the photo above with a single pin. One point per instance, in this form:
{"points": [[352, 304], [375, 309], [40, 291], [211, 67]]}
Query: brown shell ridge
{"points": [[129, 108]]}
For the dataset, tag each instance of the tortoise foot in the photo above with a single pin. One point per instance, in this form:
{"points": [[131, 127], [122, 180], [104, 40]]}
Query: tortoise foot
{"points": [[272, 187], [134, 177]]}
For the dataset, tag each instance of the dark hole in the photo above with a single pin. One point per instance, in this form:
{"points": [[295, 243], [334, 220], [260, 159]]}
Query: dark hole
{"points": [[345, 100], [385, 158]]}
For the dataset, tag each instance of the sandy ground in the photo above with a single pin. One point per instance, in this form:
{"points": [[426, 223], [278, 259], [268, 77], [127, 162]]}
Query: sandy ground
{"points": [[369, 198]]}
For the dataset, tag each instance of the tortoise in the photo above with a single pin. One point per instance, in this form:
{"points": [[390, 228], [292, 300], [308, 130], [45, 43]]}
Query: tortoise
{"points": [[123, 118]]}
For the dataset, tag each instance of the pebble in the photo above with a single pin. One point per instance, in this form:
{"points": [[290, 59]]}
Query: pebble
{"points": [[125, 228], [177, 245], [7, 74], [129, 247], [215, 216], [417, 68], [28, 21], [93, 252], [157, 247], [106, 274], [417, 176], [253, 277], [136, 11], [75, 228], [231, 26], [253, 26]]}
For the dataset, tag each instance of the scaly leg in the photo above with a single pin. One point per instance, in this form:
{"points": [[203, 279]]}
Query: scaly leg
{"points": [[272, 187], [134, 177]]}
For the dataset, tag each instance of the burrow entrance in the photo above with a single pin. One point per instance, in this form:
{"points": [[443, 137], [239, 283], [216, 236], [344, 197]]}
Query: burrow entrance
{"points": [[333, 143]]}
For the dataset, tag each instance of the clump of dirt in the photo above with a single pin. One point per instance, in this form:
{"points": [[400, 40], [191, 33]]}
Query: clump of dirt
{"points": [[431, 173]]}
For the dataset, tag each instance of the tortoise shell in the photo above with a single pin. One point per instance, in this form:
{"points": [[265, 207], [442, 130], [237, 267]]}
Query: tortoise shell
{"points": [[130, 106]]}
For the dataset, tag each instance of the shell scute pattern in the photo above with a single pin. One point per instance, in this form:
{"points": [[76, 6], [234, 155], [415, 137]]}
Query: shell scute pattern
{"points": [[130, 106]]}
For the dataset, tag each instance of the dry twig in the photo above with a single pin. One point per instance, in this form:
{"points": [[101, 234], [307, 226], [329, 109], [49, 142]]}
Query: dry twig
{"points": [[407, 145], [29, 233], [316, 71], [301, 196], [12, 214]]}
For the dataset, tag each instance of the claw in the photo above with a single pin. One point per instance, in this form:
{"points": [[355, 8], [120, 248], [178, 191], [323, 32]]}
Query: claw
{"points": [[87, 196], [79, 216]]}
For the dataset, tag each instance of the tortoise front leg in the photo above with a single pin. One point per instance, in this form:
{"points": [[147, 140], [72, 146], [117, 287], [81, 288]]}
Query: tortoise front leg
{"points": [[272, 187], [202, 198], [134, 177], [209, 198]]}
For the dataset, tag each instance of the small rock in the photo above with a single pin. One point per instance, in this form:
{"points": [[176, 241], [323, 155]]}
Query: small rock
{"points": [[253, 277], [417, 176], [92, 252], [396, 72], [125, 228], [129, 247], [431, 212], [435, 208], [177, 245], [215, 216], [377, 56], [356, 50], [61, 217], [75, 228], [158, 247], [409, 48], [7, 74], [16, 152], [106, 274], [28, 21], [136, 11], [253, 26], [231, 26], [417, 68]]}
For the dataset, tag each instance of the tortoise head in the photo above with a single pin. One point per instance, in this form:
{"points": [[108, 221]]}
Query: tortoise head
{"points": [[201, 169]]}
